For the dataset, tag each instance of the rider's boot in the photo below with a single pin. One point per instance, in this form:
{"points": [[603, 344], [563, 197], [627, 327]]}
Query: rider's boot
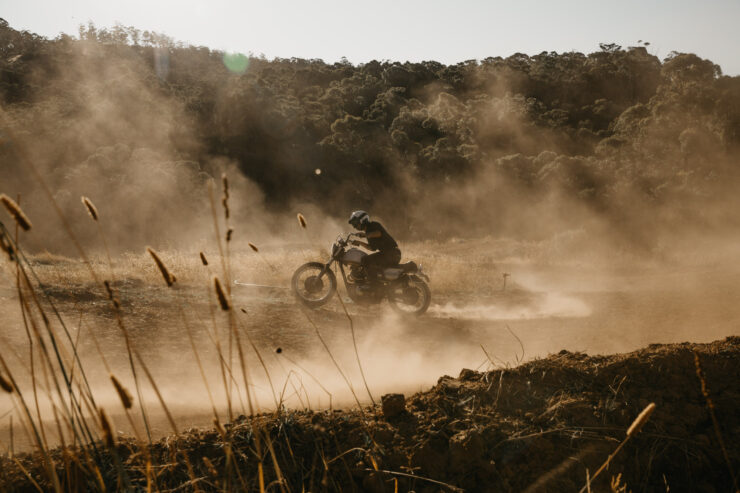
{"points": [[372, 281]]}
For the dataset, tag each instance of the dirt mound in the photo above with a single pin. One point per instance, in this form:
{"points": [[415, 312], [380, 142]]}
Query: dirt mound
{"points": [[536, 427]]}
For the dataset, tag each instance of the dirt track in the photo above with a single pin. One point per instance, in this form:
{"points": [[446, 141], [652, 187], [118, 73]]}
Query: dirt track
{"points": [[545, 308]]}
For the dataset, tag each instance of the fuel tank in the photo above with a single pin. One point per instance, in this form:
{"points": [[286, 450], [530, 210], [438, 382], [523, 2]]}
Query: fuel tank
{"points": [[353, 256]]}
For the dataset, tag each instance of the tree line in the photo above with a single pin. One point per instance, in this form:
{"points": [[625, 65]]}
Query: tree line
{"points": [[604, 127]]}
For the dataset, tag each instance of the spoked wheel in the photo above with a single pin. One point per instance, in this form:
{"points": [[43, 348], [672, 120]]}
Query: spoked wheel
{"points": [[412, 299], [312, 287]]}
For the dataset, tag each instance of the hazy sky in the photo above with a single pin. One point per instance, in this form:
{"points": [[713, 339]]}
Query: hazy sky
{"points": [[402, 30]]}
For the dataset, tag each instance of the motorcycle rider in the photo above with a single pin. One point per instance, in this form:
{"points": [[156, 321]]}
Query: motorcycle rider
{"points": [[385, 247]]}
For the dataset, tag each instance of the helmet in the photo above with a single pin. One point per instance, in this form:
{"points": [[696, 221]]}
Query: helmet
{"points": [[358, 219]]}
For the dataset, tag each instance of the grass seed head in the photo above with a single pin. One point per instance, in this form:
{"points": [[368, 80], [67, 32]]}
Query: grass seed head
{"points": [[221, 294], [253, 247], [6, 247], [123, 393], [203, 258], [225, 199], [166, 274], [641, 419], [111, 294], [6, 385], [225, 181], [302, 220], [225, 203], [91, 209], [108, 289], [211, 469], [15, 210], [107, 429]]}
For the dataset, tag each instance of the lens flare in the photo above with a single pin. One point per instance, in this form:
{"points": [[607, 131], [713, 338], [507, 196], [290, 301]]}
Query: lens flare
{"points": [[236, 62], [162, 62]]}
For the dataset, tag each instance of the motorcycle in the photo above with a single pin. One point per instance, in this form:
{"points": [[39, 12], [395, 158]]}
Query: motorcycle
{"points": [[404, 286]]}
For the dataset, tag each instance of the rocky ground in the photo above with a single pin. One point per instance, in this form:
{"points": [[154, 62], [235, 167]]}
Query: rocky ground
{"points": [[537, 427]]}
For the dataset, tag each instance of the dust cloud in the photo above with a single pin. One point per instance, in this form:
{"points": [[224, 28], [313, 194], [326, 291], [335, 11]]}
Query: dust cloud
{"points": [[596, 262], [551, 305]]}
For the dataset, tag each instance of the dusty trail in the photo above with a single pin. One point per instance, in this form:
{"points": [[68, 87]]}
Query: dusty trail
{"points": [[545, 308]]}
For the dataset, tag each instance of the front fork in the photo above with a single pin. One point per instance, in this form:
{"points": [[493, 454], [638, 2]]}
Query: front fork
{"points": [[327, 267], [344, 274]]}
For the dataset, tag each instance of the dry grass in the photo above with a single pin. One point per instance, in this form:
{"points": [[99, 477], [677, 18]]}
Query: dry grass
{"points": [[223, 301], [715, 423], [169, 278], [91, 209], [5, 385], [634, 428], [123, 394], [16, 212]]}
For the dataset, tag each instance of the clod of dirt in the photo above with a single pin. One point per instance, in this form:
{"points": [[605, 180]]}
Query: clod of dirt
{"points": [[393, 405]]}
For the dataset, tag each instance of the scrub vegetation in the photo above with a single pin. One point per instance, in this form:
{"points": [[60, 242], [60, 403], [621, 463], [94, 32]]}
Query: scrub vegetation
{"points": [[618, 134]]}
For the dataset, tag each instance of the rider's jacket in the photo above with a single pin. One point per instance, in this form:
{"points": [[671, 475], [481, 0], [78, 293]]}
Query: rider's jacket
{"points": [[382, 243]]}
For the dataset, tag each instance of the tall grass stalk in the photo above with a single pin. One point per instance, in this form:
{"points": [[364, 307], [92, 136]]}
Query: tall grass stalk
{"points": [[354, 344], [336, 364], [634, 428], [715, 423], [23, 267], [225, 271], [170, 419], [93, 212], [73, 408], [318, 382], [32, 427], [262, 362], [16, 212], [216, 340]]}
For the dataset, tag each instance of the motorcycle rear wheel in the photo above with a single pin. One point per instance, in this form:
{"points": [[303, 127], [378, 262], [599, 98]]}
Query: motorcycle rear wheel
{"points": [[411, 300], [310, 289]]}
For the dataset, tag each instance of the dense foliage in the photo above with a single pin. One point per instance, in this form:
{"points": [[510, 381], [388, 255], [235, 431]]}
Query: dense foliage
{"points": [[610, 130]]}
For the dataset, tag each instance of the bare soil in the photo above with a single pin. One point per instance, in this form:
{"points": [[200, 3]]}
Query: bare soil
{"points": [[537, 427]]}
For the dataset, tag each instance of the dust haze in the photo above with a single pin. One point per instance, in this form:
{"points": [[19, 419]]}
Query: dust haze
{"points": [[614, 234]]}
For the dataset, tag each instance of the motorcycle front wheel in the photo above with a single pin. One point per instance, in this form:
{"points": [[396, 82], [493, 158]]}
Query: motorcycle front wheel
{"points": [[412, 299], [312, 288]]}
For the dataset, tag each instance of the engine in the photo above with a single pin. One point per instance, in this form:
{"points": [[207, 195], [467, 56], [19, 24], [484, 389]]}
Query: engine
{"points": [[357, 274]]}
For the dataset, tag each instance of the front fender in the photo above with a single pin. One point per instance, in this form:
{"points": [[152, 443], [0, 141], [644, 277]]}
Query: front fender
{"points": [[419, 276]]}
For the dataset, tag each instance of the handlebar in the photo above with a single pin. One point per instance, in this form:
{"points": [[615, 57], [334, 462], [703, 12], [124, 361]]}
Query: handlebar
{"points": [[345, 239]]}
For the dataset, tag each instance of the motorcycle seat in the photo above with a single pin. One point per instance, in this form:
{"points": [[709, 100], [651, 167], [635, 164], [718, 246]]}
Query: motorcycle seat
{"points": [[408, 266]]}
